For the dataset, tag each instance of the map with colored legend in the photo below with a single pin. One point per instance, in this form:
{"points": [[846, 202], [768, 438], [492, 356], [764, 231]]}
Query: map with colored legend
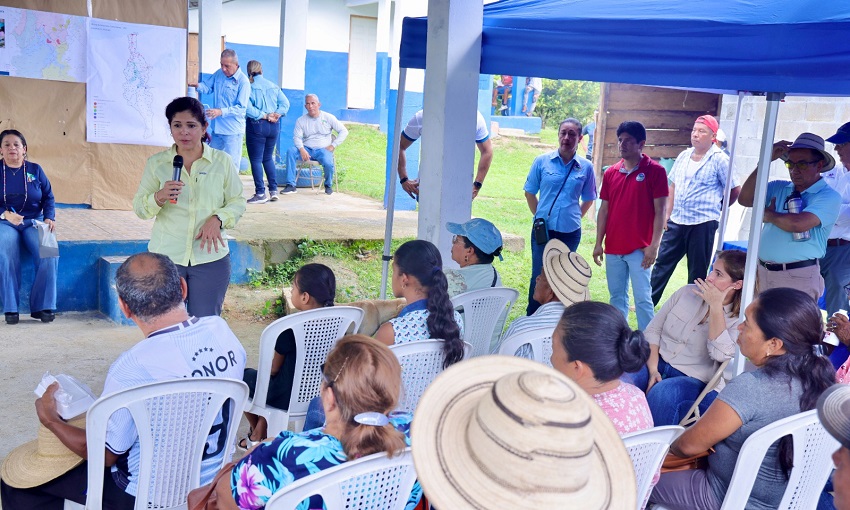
{"points": [[42, 45], [134, 71]]}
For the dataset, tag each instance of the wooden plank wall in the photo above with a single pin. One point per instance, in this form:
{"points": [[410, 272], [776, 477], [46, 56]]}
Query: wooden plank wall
{"points": [[667, 114]]}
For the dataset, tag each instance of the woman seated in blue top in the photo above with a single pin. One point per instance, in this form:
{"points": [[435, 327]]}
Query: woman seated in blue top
{"points": [[362, 382], [27, 196], [313, 286], [782, 336]]}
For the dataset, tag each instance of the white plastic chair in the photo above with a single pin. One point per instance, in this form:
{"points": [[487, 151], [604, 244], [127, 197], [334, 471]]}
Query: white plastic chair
{"points": [[316, 332], [540, 340], [813, 448], [421, 362], [484, 310], [369, 483], [647, 449], [173, 420], [694, 413]]}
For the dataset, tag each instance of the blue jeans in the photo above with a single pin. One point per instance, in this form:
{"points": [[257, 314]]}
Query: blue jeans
{"points": [[835, 269], [571, 239], [621, 268], [231, 144], [260, 138], [671, 398], [322, 155], [12, 240], [315, 415]]}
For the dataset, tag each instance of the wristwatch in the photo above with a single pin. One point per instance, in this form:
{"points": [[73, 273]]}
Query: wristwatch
{"points": [[478, 184]]}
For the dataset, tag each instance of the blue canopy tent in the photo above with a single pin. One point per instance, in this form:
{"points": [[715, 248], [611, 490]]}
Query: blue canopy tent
{"points": [[772, 48]]}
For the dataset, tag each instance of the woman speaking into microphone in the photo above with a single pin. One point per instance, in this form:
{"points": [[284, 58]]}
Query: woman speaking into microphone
{"points": [[193, 207]]}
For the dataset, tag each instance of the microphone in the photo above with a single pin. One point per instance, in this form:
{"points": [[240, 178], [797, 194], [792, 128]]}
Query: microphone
{"points": [[175, 176]]}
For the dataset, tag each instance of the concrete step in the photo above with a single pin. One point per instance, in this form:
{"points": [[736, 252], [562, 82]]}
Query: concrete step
{"points": [[107, 295]]}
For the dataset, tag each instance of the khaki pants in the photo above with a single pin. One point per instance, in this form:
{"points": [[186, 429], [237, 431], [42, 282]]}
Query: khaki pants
{"points": [[806, 279]]}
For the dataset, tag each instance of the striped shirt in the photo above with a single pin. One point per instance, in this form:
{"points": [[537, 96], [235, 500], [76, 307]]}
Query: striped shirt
{"points": [[547, 315], [699, 198]]}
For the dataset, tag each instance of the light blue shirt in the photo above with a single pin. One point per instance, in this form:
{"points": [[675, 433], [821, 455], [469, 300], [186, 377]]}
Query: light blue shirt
{"points": [[547, 176], [700, 198], [232, 97], [778, 245], [266, 98]]}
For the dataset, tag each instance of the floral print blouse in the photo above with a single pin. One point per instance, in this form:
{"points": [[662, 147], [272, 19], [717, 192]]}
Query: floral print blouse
{"points": [[411, 324], [626, 407], [291, 456]]}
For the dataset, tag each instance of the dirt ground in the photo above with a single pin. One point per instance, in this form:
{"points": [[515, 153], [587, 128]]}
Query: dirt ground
{"points": [[84, 345]]}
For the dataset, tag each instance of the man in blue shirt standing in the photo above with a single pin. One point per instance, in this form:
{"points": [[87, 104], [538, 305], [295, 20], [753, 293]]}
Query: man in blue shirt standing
{"points": [[783, 260], [561, 178], [231, 92]]}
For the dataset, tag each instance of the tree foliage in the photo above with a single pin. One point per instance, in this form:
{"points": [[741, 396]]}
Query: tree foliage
{"points": [[561, 99]]}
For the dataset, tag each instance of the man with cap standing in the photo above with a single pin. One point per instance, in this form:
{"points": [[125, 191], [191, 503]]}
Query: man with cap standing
{"points": [[792, 242], [834, 413], [697, 184], [835, 264]]}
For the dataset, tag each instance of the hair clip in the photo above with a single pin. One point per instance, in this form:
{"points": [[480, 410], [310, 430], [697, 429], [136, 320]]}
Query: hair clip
{"points": [[436, 268], [818, 350], [372, 418]]}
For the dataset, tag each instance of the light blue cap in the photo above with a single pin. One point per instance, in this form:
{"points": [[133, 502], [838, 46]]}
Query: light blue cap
{"points": [[480, 232]]}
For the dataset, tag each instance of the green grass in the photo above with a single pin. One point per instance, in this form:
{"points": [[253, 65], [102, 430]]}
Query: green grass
{"points": [[501, 200]]}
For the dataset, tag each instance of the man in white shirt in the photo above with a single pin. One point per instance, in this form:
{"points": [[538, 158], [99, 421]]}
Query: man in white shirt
{"points": [[176, 346], [313, 140], [412, 133], [835, 265]]}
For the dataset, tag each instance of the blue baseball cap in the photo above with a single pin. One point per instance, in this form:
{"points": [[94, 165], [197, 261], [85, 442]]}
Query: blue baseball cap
{"points": [[841, 136], [483, 234]]}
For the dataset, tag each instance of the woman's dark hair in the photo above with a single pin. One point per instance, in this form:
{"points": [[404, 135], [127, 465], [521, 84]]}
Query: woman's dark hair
{"points": [[734, 262], [598, 335], [483, 258], [317, 280], [793, 316], [13, 132], [421, 260], [191, 105]]}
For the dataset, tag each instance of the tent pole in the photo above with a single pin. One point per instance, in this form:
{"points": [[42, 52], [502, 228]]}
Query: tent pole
{"points": [[388, 228], [747, 294], [724, 214]]}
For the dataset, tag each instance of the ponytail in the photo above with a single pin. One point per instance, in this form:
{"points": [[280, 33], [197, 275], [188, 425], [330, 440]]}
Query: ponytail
{"points": [[318, 281]]}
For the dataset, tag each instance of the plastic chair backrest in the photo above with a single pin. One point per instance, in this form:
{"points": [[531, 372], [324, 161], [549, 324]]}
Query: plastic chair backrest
{"points": [[813, 447], [421, 362], [174, 420], [647, 449], [482, 309], [540, 340], [316, 332], [369, 483]]}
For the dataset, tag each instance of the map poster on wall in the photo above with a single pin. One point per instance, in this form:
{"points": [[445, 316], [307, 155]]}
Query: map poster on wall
{"points": [[134, 71], [42, 45]]}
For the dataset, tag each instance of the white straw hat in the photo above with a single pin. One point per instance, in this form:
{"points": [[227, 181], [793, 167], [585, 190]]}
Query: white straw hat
{"points": [[498, 432], [567, 272], [41, 460]]}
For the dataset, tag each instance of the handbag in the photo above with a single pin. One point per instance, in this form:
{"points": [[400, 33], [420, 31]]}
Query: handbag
{"points": [[675, 463], [204, 497]]}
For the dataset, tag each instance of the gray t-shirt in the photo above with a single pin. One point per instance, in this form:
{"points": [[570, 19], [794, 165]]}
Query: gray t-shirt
{"points": [[759, 400]]}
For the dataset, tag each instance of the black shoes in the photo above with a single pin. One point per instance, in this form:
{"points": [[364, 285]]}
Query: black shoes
{"points": [[12, 318], [44, 315], [328, 190]]}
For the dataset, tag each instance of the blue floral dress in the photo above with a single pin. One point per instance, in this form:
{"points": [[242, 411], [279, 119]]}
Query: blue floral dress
{"points": [[291, 456], [411, 324]]}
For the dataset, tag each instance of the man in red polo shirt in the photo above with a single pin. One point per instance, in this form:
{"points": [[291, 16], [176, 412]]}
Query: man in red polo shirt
{"points": [[631, 221]]}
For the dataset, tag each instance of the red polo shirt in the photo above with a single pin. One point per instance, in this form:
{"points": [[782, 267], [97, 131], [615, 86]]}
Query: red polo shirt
{"points": [[631, 204]]}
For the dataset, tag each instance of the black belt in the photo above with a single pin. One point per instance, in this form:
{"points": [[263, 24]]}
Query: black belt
{"points": [[770, 266], [837, 242]]}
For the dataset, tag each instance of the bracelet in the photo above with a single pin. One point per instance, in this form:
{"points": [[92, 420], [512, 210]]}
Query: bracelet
{"points": [[478, 184], [403, 180]]}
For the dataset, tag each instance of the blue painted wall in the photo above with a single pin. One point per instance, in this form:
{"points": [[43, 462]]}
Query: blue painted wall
{"points": [[77, 286], [327, 76]]}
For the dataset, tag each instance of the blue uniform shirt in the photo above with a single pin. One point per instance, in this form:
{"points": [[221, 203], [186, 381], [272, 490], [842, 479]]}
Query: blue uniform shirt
{"points": [[266, 97], [232, 97], [546, 177]]}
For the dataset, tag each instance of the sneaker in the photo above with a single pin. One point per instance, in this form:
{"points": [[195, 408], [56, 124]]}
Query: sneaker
{"points": [[329, 190], [273, 196], [503, 108], [12, 317], [289, 189], [258, 199], [44, 315]]}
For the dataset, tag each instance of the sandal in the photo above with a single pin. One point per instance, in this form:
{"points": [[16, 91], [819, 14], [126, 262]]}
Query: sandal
{"points": [[246, 443]]}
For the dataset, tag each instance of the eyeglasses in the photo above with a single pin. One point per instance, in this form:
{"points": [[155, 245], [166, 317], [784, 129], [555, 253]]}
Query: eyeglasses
{"points": [[847, 290], [799, 165], [839, 146]]}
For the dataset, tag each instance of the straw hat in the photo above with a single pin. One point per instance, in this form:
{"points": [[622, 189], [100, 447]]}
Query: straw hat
{"points": [[506, 432], [567, 272], [834, 412], [813, 142], [41, 460]]}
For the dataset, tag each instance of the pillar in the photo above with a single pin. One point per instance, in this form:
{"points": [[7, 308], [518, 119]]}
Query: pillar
{"points": [[209, 35]]}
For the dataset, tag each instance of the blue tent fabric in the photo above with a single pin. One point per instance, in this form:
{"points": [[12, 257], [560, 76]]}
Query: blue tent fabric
{"points": [[797, 47]]}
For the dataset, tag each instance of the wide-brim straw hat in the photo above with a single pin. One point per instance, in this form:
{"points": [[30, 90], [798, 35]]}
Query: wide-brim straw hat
{"points": [[40, 460], [499, 432], [567, 272]]}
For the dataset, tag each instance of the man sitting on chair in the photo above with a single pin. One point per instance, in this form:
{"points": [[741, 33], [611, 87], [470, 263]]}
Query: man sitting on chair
{"points": [[176, 346], [313, 140]]}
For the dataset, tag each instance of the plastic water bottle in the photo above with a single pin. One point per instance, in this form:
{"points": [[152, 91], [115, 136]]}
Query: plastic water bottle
{"points": [[794, 205], [830, 337]]}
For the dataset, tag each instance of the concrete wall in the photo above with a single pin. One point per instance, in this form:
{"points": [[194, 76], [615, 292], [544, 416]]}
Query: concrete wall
{"points": [[797, 114]]}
